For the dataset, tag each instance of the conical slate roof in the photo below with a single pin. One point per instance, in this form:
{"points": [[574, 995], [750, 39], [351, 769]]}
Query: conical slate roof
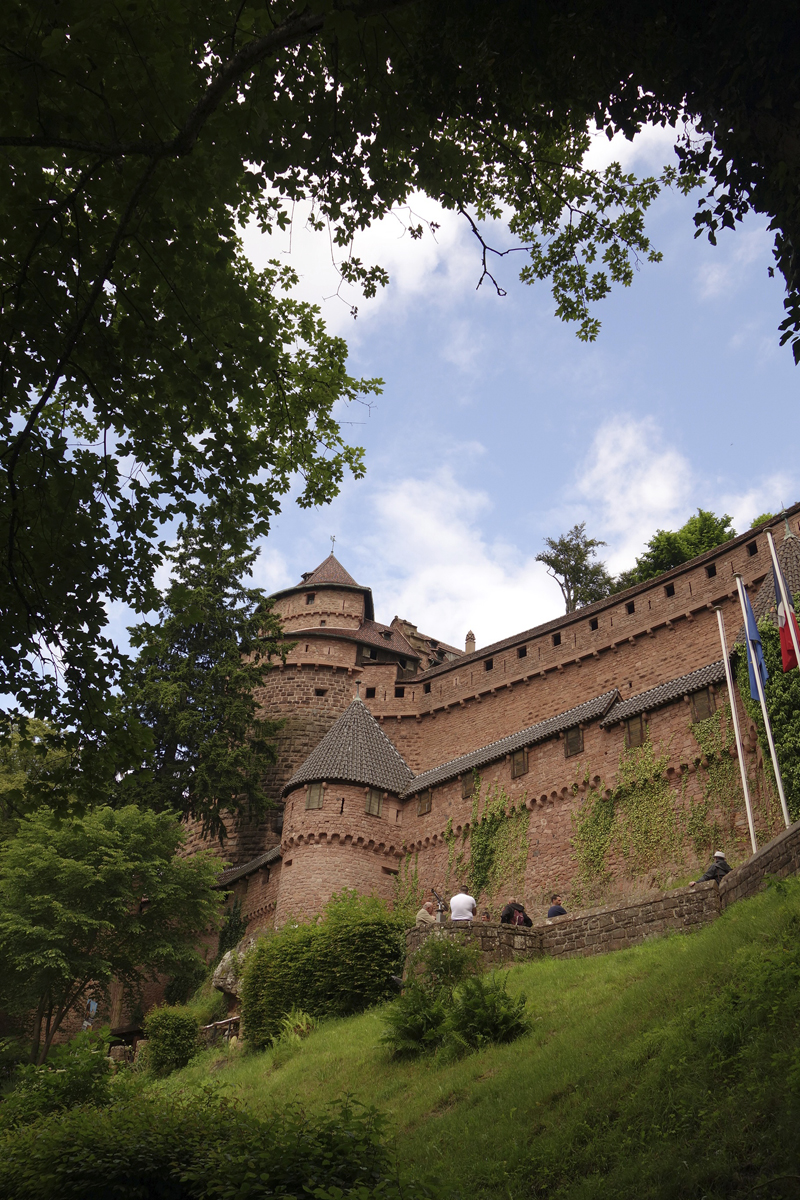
{"points": [[764, 602], [329, 571], [355, 750]]}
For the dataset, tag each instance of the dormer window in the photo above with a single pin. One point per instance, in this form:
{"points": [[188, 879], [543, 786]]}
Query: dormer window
{"points": [[310, 597], [386, 633]]}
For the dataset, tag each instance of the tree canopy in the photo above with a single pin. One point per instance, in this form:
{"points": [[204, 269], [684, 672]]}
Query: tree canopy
{"points": [[193, 688], [148, 370], [571, 561], [669, 548], [89, 898]]}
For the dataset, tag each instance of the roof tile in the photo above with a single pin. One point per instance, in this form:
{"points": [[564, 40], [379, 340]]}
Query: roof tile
{"points": [[355, 750], [329, 571], [665, 693]]}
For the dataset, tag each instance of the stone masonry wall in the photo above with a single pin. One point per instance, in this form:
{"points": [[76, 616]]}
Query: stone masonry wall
{"points": [[779, 858]]}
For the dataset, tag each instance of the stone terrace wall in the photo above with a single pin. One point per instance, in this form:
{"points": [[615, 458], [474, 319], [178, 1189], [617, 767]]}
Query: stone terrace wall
{"points": [[778, 858], [594, 931]]}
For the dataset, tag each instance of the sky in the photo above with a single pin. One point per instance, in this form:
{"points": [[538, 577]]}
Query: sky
{"points": [[497, 427]]}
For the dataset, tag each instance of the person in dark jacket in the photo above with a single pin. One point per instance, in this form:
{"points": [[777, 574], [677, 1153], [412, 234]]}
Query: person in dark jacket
{"points": [[509, 915], [718, 870], [555, 909]]}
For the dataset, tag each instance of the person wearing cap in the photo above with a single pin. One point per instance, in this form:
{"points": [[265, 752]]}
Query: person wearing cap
{"points": [[718, 869]]}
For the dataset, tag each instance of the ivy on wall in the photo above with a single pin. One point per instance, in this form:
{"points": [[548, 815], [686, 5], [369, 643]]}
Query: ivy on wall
{"points": [[408, 894], [782, 694], [722, 791], [592, 830], [498, 838]]}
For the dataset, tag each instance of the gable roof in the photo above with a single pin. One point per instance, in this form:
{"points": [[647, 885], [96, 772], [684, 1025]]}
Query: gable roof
{"points": [[355, 750], [231, 874], [665, 693], [540, 732]]}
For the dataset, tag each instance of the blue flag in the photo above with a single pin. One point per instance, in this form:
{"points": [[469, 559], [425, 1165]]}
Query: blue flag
{"points": [[754, 648]]}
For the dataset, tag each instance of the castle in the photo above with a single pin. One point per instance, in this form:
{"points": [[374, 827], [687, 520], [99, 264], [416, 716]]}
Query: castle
{"points": [[395, 746]]}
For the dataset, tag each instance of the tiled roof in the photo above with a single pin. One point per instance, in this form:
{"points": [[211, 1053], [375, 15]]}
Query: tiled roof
{"points": [[665, 693], [355, 750], [329, 571], [788, 552], [372, 633], [590, 711], [618, 597], [233, 873]]}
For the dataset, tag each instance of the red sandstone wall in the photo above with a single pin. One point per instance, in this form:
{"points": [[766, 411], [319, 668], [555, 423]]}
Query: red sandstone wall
{"points": [[335, 847]]}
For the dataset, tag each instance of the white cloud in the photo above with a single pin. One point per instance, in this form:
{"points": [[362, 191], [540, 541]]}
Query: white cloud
{"points": [[439, 265], [732, 260], [649, 150], [432, 564], [766, 495], [635, 484]]}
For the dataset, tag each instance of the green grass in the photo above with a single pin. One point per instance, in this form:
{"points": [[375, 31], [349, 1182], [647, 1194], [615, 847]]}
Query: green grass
{"points": [[669, 1070]]}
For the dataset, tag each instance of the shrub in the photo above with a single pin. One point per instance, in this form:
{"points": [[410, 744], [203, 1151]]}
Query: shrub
{"points": [[295, 1026], [441, 963], [482, 1012], [76, 1073], [171, 1038], [179, 1148], [339, 967], [415, 1023]]}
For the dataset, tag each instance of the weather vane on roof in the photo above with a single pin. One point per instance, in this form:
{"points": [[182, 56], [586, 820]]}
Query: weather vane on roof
{"points": [[333, 541]]}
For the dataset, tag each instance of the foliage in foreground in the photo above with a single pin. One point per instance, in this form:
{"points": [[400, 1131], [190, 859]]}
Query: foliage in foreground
{"points": [[201, 1146], [341, 966], [89, 898], [447, 1007], [76, 1073], [171, 1038]]}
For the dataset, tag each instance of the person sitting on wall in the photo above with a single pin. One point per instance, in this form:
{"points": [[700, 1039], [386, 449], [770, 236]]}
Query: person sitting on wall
{"points": [[718, 870], [462, 906], [425, 916], [555, 909], [514, 914]]}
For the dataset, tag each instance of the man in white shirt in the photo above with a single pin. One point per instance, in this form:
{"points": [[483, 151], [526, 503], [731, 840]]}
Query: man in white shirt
{"points": [[462, 906]]}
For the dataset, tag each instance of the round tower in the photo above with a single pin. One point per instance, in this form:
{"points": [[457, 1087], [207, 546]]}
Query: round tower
{"points": [[343, 822]]}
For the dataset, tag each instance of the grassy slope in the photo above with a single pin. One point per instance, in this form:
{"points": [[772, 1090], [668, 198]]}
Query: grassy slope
{"points": [[670, 1070]]}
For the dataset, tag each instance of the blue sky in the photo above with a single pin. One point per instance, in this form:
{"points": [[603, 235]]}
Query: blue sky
{"points": [[498, 427]]}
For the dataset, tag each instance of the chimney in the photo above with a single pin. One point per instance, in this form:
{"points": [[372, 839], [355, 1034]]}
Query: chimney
{"points": [[469, 644]]}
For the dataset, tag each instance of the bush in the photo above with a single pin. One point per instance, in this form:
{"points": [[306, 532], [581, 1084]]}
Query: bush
{"points": [[482, 1012], [171, 1038], [295, 1026], [448, 1006], [76, 1073], [173, 1148], [339, 967]]}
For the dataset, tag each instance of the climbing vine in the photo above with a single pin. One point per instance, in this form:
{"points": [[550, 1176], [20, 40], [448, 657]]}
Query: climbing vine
{"points": [[647, 831], [408, 892], [722, 791], [592, 831], [498, 838], [782, 694]]}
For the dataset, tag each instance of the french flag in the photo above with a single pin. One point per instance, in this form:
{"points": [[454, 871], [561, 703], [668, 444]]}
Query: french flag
{"points": [[787, 646]]}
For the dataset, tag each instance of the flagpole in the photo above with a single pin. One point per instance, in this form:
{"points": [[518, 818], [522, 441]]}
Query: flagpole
{"points": [[788, 604], [763, 702], [736, 731]]}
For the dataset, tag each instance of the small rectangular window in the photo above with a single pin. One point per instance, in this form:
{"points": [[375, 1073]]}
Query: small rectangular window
{"points": [[669, 590], [370, 693], [323, 621], [403, 664], [711, 570], [702, 704], [310, 597], [519, 763], [424, 803], [556, 639], [752, 548], [593, 624], [573, 742], [467, 785], [399, 693], [488, 664], [314, 795], [320, 691], [374, 802], [426, 687], [634, 732], [630, 608], [522, 652]]}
